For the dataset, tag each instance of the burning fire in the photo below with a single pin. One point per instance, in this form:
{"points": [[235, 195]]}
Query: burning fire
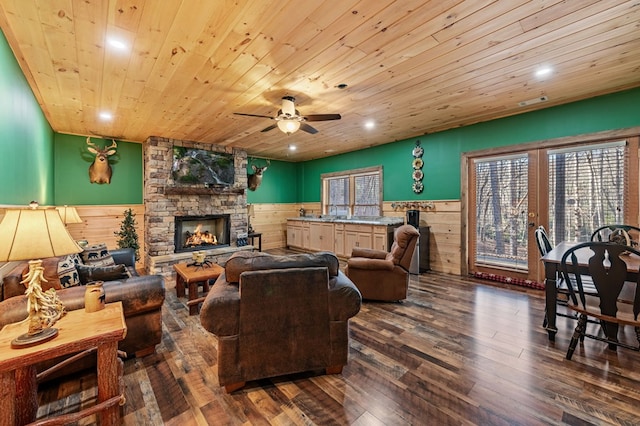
{"points": [[200, 238]]}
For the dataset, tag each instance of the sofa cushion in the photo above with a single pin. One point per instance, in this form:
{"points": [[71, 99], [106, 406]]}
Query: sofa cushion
{"points": [[243, 261], [90, 273], [97, 255], [50, 274]]}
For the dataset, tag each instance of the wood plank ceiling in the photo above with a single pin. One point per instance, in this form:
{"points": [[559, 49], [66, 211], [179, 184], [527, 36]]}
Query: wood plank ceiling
{"points": [[411, 66]]}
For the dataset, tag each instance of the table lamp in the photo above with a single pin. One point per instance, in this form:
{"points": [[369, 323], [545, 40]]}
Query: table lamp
{"points": [[35, 233], [250, 214], [69, 215]]}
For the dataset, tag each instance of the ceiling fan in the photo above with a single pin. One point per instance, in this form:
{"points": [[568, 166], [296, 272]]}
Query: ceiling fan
{"points": [[289, 119]]}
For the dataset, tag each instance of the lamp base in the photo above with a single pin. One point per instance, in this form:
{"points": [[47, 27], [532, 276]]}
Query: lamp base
{"points": [[25, 340]]}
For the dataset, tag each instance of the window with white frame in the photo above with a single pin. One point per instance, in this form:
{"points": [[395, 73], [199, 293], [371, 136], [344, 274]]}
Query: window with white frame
{"points": [[353, 192]]}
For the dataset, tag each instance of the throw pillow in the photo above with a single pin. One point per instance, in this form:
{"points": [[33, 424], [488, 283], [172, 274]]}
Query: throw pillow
{"points": [[67, 272], [97, 255], [51, 278], [101, 273]]}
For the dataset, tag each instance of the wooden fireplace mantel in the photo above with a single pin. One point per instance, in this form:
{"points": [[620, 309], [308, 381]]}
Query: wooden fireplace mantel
{"points": [[202, 190]]}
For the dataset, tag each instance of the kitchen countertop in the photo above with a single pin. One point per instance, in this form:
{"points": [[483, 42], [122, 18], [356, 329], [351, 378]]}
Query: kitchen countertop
{"points": [[357, 220]]}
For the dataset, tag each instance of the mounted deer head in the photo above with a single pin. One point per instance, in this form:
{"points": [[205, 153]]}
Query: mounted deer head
{"points": [[100, 170], [255, 179]]}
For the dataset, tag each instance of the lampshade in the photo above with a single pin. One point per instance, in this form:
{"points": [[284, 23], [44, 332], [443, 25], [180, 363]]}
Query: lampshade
{"points": [[289, 126], [34, 233], [69, 214]]}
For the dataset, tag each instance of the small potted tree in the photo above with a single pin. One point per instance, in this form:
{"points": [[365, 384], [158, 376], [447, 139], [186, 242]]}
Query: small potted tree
{"points": [[127, 236]]}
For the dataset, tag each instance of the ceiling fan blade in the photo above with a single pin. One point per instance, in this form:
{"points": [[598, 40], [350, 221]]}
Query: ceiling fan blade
{"points": [[322, 117], [305, 127], [254, 115], [266, 129]]}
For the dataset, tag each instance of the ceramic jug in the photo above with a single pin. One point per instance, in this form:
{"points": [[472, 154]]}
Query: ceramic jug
{"points": [[94, 297]]}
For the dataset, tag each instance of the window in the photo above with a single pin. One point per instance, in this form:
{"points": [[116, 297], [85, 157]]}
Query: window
{"points": [[586, 189], [353, 192]]}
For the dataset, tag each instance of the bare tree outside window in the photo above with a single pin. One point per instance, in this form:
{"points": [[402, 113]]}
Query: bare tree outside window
{"points": [[586, 190], [501, 214]]}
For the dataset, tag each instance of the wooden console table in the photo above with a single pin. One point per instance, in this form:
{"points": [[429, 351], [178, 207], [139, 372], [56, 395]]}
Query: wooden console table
{"points": [[193, 276], [77, 331]]}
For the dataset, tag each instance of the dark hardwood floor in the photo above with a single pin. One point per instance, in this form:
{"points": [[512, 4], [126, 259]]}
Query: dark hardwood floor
{"points": [[457, 351]]}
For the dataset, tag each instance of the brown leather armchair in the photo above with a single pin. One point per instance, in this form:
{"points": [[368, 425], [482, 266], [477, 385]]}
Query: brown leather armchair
{"points": [[384, 276], [277, 315]]}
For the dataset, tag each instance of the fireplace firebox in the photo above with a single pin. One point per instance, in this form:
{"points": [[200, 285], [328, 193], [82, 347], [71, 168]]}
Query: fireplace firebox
{"points": [[201, 232]]}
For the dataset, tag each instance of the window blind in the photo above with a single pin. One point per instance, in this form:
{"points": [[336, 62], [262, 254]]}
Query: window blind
{"points": [[587, 189]]}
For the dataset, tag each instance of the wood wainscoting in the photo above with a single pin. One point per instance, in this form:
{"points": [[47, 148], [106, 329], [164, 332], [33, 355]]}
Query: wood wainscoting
{"points": [[271, 221], [444, 219], [100, 223]]}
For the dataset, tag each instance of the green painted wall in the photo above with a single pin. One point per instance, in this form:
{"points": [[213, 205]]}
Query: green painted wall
{"points": [[26, 139], [279, 184], [72, 161], [442, 150]]}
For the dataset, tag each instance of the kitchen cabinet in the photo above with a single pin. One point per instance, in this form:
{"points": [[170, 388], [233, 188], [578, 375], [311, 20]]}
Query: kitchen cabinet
{"points": [[294, 234], [338, 243], [360, 236], [381, 237], [305, 235], [321, 237], [338, 237]]}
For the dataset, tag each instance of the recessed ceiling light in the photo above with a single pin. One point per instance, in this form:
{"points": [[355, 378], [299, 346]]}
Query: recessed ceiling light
{"points": [[117, 44], [370, 124], [543, 71], [105, 116]]}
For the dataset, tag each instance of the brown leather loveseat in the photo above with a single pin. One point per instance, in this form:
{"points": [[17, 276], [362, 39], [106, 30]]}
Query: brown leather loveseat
{"points": [[141, 296], [276, 315]]}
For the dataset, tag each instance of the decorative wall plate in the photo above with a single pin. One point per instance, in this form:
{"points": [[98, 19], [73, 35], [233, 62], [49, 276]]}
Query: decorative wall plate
{"points": [[418, 151], [417, 175], [417, 187], [417, 163]]}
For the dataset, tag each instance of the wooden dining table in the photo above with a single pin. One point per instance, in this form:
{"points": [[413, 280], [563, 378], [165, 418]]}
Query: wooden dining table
{"points": [[552, 270]]}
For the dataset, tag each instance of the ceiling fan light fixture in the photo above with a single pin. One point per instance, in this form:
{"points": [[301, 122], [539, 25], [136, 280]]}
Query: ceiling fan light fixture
{"points": [[288, 126]]}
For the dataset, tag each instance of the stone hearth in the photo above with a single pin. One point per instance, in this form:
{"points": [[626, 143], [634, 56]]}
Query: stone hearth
{"points": [[164, 199]]}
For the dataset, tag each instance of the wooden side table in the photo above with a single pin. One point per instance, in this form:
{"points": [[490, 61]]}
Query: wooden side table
{"points": [[77, 331], [193, 276]]}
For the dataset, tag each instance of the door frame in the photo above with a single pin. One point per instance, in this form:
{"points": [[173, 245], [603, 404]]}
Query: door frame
{"points": [[632, 213]]}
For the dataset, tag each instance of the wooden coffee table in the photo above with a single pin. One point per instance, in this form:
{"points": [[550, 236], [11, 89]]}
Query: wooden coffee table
{"points": [[193, 276], [77, 331]]}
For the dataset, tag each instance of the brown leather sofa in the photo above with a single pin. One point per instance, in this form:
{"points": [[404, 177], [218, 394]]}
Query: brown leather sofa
{"points": [[276, 315], [384, 276], [141, 296]]}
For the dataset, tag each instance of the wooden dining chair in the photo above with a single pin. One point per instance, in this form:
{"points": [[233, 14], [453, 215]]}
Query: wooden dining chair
{"points": [[562, 292], [542, 240], [608, 271], [617, 233]]}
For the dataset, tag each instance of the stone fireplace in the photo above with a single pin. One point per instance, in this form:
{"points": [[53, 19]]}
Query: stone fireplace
{"points": [[166, 200]]}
